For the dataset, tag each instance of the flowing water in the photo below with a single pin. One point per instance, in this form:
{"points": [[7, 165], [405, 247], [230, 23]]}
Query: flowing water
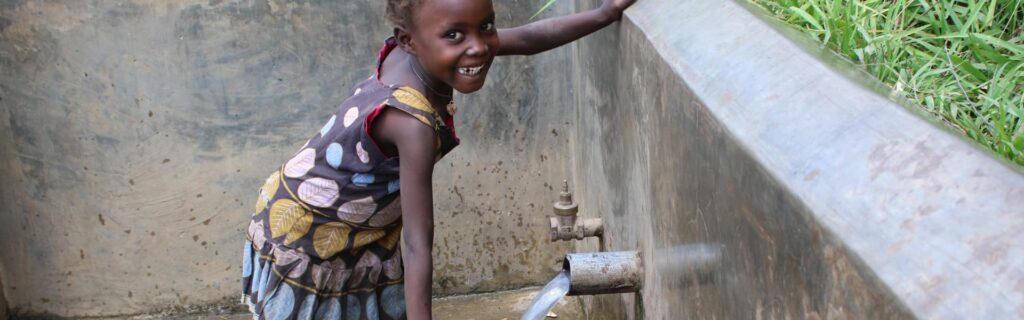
{"points": [[548, 297]]}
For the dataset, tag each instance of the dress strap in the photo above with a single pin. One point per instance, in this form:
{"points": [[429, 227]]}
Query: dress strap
{"points": [[389, 45], [412, 102], [416, 104]]}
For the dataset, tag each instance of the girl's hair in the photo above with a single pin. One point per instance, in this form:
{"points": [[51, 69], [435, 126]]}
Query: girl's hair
{"points": [[399, 12]]}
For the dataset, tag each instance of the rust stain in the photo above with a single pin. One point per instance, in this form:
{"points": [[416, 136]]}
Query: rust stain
{"points": [[923, 161], [897, 246], [990, 249], [1015, 196], [879, 154], [926, 210], [813, 174], [927, 160], [907, 224], [930, 285]]}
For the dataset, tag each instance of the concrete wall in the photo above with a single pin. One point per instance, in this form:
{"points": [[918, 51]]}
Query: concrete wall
{"points": [[3, 302], [134, 134], [699, 123]]}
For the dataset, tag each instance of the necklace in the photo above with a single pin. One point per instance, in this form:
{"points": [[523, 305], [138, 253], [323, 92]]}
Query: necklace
{"points": [[451, 102], [424, 81]]}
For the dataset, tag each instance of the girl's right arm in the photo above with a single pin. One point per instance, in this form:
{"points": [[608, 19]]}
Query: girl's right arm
{"points": [[415, 144]]}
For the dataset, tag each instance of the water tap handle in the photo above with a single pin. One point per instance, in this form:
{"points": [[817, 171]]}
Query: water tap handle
{"points": [[565, 197], [565, 206]]}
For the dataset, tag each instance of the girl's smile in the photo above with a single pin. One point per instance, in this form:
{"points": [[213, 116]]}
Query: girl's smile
{"points": [[470, 71]]}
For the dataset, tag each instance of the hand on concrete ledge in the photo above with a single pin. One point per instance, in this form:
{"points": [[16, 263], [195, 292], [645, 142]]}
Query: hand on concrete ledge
{"points": [[551, 33], [614, 8]]}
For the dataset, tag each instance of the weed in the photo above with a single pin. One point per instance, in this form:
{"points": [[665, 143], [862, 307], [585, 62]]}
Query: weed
{"points": [[961, 60]]}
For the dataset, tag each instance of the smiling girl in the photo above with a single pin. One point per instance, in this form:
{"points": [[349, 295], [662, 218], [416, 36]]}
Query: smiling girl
{"points": [[323, 243]]}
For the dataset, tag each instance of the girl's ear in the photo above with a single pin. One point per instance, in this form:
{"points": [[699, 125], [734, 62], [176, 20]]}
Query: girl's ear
{"points": [[404, 40]]}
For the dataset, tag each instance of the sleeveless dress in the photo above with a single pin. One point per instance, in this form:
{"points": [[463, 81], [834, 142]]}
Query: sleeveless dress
{"points": [[324, 241]]}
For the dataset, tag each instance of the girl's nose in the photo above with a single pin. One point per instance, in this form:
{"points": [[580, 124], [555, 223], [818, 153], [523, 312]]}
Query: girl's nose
{"points": [[477, 47]]}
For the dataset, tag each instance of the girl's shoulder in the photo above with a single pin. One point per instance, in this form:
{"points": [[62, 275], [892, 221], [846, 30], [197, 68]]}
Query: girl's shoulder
{"points": [[371, 97], [415, 103]]}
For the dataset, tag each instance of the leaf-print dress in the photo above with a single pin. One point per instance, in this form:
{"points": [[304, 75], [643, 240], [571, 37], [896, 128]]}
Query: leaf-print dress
{"points": [[323, 243]]}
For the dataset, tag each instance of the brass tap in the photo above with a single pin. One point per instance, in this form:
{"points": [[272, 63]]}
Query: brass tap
{"points": [[565, 206], [566, 225]]}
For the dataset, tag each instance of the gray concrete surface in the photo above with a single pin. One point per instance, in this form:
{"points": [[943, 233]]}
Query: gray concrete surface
{"points": [[3, 300], [504, 305], [699, 123], [134, 134]]}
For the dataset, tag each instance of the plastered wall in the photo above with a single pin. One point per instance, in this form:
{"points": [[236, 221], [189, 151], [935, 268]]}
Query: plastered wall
{"points": [[3, 302], [134, 135], [700, 124]]}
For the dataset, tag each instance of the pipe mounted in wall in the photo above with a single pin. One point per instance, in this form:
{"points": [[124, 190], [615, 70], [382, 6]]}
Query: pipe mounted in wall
{"points": [[603, 272]]}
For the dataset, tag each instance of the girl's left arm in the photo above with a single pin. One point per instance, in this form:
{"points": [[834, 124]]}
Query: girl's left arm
{"points": [[551, 33], [415, 144]]}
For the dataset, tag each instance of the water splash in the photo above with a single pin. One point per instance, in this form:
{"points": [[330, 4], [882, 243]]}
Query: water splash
{"points": [[547, 297]]}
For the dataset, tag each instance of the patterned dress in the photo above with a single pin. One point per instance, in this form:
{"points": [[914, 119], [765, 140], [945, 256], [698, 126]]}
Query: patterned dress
{"points": [[324, 241]]}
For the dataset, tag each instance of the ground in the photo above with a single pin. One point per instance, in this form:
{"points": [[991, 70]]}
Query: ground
{"points": [[506, 305]]}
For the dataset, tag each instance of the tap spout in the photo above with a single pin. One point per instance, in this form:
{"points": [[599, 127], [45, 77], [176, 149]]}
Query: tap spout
{"points": [[603, 272]]}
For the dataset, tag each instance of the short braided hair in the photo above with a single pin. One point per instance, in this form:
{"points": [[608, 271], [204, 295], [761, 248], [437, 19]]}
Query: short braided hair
{"points": [[399, 12]]}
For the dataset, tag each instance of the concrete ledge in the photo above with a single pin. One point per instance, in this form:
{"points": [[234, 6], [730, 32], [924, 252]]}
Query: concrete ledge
{"points": [[831, 199]]}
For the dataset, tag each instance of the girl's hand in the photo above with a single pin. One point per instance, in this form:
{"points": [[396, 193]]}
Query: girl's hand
{"points": [[547, 34], [615, 7]]}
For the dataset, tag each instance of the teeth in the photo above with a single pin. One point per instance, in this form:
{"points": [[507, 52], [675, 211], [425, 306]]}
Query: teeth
{"points": [[470, 71]]}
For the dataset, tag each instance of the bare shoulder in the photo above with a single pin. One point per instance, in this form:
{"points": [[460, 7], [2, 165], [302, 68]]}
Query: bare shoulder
{"points": [[406, 133]]}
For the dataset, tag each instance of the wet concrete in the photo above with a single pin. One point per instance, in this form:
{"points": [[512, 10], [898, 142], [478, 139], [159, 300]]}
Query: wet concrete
{"points": [[505, 305], [700, 124]]}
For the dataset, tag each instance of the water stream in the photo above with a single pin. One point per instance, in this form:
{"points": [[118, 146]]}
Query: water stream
{"points": [[548, 297]]}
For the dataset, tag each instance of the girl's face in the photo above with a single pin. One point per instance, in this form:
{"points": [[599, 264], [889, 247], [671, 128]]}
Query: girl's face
{"points": [[455, 41]]}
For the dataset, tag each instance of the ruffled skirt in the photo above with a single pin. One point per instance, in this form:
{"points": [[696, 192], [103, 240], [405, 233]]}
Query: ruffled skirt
{"points": [[281, 283]]}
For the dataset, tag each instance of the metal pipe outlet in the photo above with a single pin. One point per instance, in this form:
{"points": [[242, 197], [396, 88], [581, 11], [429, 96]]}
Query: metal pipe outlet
{"points": [[603, 272]]}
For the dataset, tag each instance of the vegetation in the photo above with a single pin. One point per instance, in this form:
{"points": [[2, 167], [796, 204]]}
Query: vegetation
{"points": [[961, 60]]}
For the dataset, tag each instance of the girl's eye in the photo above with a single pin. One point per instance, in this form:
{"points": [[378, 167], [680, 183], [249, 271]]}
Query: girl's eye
{"points": [[454, 35], [487, 26]]}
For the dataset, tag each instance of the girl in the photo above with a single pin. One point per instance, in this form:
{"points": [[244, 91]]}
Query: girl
{"points": [[324, 241]]}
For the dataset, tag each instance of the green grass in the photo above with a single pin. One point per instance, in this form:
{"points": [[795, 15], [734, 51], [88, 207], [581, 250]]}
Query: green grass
{"points": [[543, 8], [960, 60]]}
